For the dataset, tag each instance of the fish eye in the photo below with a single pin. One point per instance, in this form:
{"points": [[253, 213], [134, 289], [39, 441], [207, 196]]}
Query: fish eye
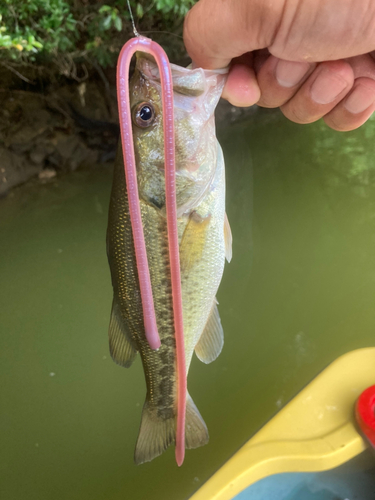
{"points": [[144, 115]]}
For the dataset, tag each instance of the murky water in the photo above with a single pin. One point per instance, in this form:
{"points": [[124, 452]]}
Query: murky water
{"points": [[299, 292]]}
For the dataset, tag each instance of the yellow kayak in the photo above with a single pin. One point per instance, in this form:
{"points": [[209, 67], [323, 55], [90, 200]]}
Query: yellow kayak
{"points": [[316, 431]]}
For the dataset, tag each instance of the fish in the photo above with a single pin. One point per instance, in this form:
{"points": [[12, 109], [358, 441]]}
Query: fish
{"points": [[205, 241]]}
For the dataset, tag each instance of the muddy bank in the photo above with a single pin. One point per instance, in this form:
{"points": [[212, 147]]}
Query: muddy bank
{"points": [[56, 131], [61, 129]]}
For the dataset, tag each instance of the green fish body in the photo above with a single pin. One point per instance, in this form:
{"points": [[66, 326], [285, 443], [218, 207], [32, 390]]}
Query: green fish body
{"points": [[204, 239]]}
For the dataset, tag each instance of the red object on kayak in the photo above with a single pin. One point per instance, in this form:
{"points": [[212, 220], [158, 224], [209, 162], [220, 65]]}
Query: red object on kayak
{"points": [[365, 414]]}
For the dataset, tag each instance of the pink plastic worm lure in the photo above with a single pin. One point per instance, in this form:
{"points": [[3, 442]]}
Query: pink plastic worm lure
{"points": [[146, 45]]}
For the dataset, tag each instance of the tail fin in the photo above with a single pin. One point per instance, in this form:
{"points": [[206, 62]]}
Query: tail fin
{"points": [[157, 433]]}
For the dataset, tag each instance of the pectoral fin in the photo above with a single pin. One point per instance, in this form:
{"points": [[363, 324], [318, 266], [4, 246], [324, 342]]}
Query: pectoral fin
{"points": [[211, 342], [120, 343], [227, 239], [193, 241]]}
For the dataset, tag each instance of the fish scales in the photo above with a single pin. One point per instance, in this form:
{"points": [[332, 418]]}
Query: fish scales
{"points": [[200, 185], [158, 366]]}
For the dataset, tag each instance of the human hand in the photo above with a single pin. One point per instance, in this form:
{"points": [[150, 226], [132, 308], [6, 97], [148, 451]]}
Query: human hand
{"points": [[311, 58]]}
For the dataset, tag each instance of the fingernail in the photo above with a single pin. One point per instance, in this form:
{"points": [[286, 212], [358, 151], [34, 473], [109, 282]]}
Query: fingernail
{"points": [[327, 87], [360, 99], [289, 73]]}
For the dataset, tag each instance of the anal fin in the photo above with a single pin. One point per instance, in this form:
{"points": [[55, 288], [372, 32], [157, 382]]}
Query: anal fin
{"points": [[211, 341], [120, 344]]}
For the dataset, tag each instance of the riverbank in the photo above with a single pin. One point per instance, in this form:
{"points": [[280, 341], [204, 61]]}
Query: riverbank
{"points": [[65, 126]]}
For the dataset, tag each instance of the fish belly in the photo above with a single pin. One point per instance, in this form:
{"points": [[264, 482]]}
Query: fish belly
{"points": [[200, 277]]}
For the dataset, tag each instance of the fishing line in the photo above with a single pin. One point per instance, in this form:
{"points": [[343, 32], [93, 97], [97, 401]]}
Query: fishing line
{"points": [[132, 19]]}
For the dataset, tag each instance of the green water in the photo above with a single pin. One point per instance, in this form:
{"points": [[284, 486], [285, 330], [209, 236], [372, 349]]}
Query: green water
{"points": [[299, 292]]}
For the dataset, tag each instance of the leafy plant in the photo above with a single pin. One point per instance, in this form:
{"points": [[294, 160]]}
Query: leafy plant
{"points": [[45, 31]]}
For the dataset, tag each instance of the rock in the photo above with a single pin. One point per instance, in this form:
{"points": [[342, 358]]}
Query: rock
{"points": [[38, 154], [72, 151], [48, 173], [87, 99], [28, 121], [14, 170]]}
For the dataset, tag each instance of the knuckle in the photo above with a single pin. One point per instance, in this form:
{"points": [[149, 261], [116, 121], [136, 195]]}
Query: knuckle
{"points": [[265, 102], [297, 113]]}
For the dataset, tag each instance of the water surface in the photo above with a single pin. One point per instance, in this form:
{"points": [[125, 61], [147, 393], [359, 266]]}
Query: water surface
{"points": [[299, 292]]}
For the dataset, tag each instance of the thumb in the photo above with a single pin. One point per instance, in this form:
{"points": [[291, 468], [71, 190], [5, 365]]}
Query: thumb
{"points": [[216, 31]]}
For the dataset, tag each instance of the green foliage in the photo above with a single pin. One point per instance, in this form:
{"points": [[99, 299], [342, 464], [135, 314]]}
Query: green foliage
{"points": [[35, 26], [44, 30], [111, 18], [179, 8]]}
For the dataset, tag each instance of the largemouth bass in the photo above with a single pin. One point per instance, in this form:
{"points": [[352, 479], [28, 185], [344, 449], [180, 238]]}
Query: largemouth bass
{"points": [[204, 241]]}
